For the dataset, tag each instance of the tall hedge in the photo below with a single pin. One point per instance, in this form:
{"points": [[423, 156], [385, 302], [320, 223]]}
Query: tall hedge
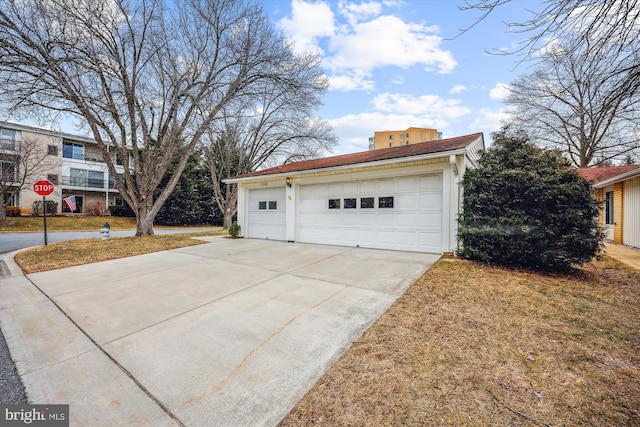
{"points": [[527, 207]]}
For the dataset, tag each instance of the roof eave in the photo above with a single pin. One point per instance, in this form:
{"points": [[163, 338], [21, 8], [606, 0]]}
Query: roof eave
{"points": [[441, 154], [618, 178]]}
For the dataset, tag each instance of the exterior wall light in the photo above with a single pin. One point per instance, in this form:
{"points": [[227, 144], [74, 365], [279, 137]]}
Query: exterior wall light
{"points": [[289, 181]]}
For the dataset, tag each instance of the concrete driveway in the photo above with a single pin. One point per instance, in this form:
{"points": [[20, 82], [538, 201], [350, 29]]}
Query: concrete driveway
{"points": [[228, 333]]}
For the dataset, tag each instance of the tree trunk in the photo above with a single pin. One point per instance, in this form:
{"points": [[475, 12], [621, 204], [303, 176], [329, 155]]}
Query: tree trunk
{"points": [[3, 213], [144, 222], [228, 218]]}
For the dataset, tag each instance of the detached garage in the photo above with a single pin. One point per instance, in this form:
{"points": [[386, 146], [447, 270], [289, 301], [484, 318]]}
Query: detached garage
{"points": [[404, 198]]}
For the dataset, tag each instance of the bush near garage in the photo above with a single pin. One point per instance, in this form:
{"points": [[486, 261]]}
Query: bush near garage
{"points": [[12, 211], [527, 207]]}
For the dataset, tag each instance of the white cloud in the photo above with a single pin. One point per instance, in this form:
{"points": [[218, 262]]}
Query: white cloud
{"points": [[308, 22], [357, 12], [500, 91], [348, 83], [365, 40], [426, 105], [457, 89]]}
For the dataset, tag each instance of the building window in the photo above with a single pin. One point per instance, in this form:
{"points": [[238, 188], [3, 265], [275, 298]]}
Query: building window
{"points": [[334, 203], [385, 202], [608, 208], [8, 139], [262, 206], [391, 144], [367, 202], [273, 204], [118, 201], [69, 202], [96, 179], [78, 177], [52, 150], [72, 151], [349, 203], [53, 178], [390, 136], [8, 171]]}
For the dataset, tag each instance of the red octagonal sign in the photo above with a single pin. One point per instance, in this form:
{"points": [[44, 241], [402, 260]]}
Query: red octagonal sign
{"points": [[43, 187]]}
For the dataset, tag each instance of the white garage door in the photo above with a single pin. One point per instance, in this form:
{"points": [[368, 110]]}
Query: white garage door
{"points": [[403, 213], [267, 215]]}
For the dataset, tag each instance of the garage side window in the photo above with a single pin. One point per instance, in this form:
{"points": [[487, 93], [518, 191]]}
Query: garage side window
{"points": [[367, 202], [334, 203], [262, 206], [273, 204], [385, 202], [349, 203], [608, 208]]}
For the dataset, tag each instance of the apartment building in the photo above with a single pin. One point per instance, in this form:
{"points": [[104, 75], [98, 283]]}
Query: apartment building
{"points": [[74, 164], [397, 138]]}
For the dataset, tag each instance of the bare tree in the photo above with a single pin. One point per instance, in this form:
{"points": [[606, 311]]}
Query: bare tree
{"points": [[146, 79], [573, 102], [273, 127], [21, 163]]}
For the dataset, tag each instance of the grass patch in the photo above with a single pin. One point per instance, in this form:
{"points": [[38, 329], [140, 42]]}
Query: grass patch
{"points": [[85, 251], [470, 344], [66, 223]]}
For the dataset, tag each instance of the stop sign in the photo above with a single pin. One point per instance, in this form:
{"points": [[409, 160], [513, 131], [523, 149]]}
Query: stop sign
{"points": [[43, 187]]}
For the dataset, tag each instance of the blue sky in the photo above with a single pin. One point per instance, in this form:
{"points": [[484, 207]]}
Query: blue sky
{"points": [[394, 64]]}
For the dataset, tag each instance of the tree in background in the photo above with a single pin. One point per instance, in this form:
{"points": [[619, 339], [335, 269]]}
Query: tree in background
{"points": [[572, 102], [146, 78], [22, 162], [273, 127], [527, 207]]}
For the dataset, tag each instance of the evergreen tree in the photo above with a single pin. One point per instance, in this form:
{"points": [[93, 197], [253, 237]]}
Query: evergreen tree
{"points": [[527, 207]]}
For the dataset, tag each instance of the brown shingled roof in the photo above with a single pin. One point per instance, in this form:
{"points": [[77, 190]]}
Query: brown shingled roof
{"points": [[596, 175], [421, 148]]}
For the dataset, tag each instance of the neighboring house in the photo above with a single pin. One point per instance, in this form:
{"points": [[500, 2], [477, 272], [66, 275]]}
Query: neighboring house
{"points": [[618, 187], [73, 164], [403, 198], [397, 138]]}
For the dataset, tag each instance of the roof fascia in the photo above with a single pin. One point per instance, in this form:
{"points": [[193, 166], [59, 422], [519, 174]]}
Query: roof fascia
{"points": [[442, 154]]}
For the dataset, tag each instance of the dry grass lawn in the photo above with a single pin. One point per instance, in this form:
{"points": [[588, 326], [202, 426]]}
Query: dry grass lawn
{"points": [[65, 223], [470, 344], [85, 251]]}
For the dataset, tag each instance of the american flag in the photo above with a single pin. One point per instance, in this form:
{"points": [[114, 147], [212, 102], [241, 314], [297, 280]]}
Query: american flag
{"points": [[70, 202]]}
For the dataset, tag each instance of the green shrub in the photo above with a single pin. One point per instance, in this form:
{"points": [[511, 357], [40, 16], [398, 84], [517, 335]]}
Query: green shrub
{"points": [[121, 211], [527, 207], [52, 207], [12, 210], [234, 230]]}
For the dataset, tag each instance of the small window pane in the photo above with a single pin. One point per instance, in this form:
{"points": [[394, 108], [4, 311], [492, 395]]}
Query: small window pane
{"points": [[349, 203], [385, 202], [262, 205], [273, 204], [367, 203], [52, 150], [53, 178], [334, 203]]}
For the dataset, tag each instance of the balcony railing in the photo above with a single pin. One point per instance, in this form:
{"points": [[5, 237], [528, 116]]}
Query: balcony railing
{"points": [[8, 144], [87, 182]]}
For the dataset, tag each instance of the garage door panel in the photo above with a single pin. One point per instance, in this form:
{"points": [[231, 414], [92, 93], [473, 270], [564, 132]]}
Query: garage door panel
{"points": [[413, 223], [266, 223]]}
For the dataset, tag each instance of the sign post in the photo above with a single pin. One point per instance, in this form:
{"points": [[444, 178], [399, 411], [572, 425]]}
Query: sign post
{"points": [[44, 188]]}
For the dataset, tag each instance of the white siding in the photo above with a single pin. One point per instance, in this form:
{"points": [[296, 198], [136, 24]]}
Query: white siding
{"points": [[631, 228]]}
